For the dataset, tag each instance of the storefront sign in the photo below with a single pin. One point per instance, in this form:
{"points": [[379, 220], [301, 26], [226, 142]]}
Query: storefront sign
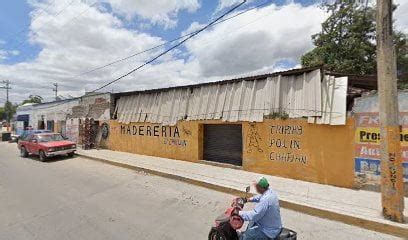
{"points": [[150, 130], [367, 143], [170, 135]]}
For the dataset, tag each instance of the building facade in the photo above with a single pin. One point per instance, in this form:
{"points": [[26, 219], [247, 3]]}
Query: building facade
{"points": [[66, 116], [301, 124], [291, 124]]}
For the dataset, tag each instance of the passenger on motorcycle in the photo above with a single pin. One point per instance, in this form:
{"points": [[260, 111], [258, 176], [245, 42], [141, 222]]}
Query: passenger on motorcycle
{"points": [[265, 220]]}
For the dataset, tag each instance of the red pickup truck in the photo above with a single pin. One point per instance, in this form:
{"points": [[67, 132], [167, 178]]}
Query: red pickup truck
{"points": [[46, 145]]}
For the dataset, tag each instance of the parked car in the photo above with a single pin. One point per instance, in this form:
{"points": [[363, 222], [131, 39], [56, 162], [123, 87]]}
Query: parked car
{"points": [[46, 145]]}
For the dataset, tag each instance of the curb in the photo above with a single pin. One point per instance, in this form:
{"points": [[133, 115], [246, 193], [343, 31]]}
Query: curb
{"points": [[351, 220]]}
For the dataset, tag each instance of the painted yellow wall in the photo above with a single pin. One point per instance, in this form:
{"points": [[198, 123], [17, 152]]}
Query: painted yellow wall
{"points": [[176, 142], [295, 149], [288, 148]]}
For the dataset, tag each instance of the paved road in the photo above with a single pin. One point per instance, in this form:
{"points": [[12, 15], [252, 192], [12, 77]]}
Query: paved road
{"points": [[82, 199]]}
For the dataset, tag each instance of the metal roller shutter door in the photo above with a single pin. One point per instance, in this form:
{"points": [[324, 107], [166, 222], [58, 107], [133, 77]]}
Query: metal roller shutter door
{"points": [[223, 143]]}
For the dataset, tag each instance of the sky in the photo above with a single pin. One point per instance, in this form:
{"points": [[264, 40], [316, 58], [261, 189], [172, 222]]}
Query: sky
{"points": [[43, 42]]}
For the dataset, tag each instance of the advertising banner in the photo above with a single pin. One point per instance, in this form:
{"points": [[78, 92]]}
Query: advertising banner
{"points": [[367, 143]]}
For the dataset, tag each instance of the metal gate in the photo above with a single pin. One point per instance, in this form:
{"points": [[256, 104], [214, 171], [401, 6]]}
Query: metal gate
{"points": [[223, 143]]}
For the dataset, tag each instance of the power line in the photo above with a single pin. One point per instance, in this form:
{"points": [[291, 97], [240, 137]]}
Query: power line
{"points": [[54, 16], [166, 51], [170, 49], [73, 18], [163, 44], [67, 22], [34, 19]]}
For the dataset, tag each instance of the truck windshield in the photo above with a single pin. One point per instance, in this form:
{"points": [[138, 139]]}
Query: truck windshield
{"points": [[50, 138]]}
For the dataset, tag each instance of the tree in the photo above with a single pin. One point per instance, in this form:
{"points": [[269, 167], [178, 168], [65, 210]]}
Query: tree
{"points": [[346, 43], [9, 110], [32, 99], [401, 46], [2, 114]]}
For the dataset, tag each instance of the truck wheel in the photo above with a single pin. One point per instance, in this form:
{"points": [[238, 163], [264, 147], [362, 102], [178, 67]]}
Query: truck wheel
{"points": [[23, 152], [42, 155], [71, 154]]}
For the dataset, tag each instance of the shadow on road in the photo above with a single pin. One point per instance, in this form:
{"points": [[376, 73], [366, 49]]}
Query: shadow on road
{"points": [[51, 159]]}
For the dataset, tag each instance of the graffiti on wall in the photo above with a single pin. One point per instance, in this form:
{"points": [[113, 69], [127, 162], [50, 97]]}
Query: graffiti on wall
{"points": [[367, 147], [253, 139], [105, 131], [169, 135], [285, 144]]}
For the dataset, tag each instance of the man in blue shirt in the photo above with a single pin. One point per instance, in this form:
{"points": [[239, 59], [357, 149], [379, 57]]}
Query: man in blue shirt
{"points": [[265, 220]]}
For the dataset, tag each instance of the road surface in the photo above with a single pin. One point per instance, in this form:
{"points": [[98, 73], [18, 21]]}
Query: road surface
{"points": [[83, 199]]}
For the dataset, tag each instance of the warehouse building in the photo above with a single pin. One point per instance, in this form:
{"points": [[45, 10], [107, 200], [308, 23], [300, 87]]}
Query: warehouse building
{"points": [[291, 124]]}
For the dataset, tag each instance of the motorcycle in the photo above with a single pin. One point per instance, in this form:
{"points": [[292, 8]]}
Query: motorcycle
{"points": [[227, 224]]}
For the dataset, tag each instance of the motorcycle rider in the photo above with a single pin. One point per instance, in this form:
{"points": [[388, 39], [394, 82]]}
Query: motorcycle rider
{"points": [[265, 220]]}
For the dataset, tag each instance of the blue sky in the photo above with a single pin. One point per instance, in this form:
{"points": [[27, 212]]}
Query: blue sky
{"points": [[15, 19], [38, 50]]}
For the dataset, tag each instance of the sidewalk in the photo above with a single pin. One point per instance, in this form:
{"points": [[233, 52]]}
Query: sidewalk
{"points": [[356, 207]]}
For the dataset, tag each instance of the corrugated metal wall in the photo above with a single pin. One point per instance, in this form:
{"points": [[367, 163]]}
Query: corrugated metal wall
{"points": [[296, 95], [334, 97]]}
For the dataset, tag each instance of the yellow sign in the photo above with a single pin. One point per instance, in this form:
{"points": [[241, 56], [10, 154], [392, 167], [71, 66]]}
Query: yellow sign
{"points": [[372, 135]]}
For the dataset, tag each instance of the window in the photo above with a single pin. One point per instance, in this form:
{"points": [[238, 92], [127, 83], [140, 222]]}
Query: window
{"points": [[50, 138]]}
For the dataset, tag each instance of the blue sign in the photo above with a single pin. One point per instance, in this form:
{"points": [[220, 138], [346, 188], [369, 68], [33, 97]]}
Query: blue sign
{"points": [[373, 166]]}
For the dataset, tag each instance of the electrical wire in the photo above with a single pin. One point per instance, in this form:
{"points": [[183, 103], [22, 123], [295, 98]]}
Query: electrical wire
{"points": [[163, 44], [72, 19], [34, 19], [19, 43], [170, 49], [165, 52], [66, 23]]}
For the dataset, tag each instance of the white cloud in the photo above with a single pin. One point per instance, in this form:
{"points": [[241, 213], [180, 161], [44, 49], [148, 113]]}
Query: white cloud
{"points": [[3, 55], [6, 54], [257, 40], [14, 52], [162, 12], [70, 48]]}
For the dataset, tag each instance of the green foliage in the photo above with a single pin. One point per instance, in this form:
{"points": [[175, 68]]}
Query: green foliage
{"points": [[7, 112], [32, 99], [401, 47], [346, 43], [2, 114], [278, 115]]}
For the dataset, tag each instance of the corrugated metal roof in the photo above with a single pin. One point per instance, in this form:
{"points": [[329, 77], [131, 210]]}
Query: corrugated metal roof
{"points": [[297, 71], [300, 95]]}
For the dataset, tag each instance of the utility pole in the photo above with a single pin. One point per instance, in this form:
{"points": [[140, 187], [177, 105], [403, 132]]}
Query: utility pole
{"points": [[392, 185], [7, 87], [55, 90]]}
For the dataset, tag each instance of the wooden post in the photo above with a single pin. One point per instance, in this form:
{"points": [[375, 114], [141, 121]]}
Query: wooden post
{"points": [[392, 185]]}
